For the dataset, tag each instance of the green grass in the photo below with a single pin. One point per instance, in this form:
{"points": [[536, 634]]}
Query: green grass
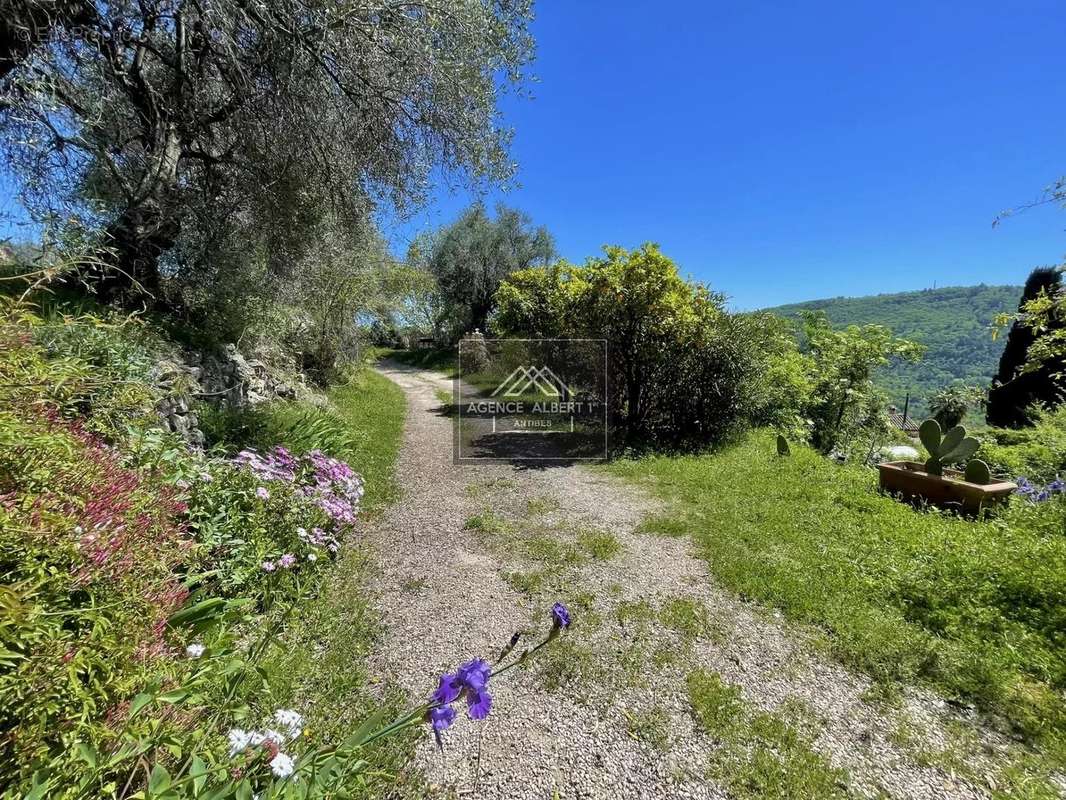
{"points": [[375, 408], [762, 756], [488, 522], [601, 545], [651, 727], [537, 506], [976, 609], [527, 583], [687, 617]]}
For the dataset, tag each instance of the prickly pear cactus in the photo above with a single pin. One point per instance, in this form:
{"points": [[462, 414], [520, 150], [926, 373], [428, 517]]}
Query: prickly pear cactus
{"points": [[782, 446], [977, 471], [953, 447], [929, 433]]}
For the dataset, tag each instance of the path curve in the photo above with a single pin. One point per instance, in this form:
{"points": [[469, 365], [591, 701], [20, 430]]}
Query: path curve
{"points": [[445, 595]]}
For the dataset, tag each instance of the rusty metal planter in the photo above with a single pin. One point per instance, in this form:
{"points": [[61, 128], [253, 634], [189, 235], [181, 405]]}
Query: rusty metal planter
{"points": [[909, 480]]}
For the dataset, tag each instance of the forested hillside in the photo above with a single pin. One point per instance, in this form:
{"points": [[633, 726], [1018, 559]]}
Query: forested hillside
{"points": [[952, 322]]}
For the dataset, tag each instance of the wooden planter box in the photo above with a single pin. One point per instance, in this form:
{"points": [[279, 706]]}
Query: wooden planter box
{"points": [[910, 480]]}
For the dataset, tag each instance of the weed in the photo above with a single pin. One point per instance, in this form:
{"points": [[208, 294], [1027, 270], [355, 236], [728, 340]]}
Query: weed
{"points": [[488, 522], [686, 616], [601, 545], [651, 726], [541, 505], [414, 585], [527, 583], [762, 755]]}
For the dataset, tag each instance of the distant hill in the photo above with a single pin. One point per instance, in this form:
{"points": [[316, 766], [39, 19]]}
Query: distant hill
{"points": [[952, 322]]}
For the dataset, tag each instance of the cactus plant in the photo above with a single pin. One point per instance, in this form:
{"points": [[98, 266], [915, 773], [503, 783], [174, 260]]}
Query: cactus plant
{"points": [[952, 447], [782, 446], [977, 471]]}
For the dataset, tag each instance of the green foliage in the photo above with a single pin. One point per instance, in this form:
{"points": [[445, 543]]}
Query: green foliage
{"points": [[952, 323], [950, 405], [602, 545], [844, 402], [1037, 452], [971, 607], [782, 446], [1031, 369], [686, 616], [118, 553], [682, 370], [444, 360]]}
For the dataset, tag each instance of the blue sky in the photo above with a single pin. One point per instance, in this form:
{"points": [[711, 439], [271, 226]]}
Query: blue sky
{"points": [[790, 151]]}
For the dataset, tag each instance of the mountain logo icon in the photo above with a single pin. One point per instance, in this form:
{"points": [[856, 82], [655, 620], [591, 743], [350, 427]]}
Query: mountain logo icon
{"points": [[523, 378]]}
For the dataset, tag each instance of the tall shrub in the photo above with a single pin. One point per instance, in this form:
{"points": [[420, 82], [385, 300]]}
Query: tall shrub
{"points": [[843, 399], [682, 371], [1019, 382]]}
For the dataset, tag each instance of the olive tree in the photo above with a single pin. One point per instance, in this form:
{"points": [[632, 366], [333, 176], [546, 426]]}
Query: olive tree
{"points": [[473, 255], [184, 126]]}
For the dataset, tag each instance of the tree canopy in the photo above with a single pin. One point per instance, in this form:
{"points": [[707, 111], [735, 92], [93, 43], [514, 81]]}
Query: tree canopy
{"points": [[194, 132], [475, 253]]}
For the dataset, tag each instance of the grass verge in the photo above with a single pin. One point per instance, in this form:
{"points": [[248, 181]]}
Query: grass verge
{"points": [[322, 666], [975, 608], [762, 755]]}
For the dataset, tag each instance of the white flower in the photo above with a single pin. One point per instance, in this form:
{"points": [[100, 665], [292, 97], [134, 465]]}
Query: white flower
{"points": [[194, 650], [240, 740], [312, 557], [290, 721], [271, 735], [281, 765]]}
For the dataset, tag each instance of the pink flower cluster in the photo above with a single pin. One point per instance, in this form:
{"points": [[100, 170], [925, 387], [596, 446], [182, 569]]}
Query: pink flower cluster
{"points": [[328, 482], [127, 528]]}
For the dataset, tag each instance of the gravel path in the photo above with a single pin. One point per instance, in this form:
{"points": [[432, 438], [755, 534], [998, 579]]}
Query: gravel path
{"points": [[450, 594]]}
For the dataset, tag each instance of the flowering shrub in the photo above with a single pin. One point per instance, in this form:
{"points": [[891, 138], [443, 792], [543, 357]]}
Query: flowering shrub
{"points": [[120, 551], [331, 484], [89, 558]]}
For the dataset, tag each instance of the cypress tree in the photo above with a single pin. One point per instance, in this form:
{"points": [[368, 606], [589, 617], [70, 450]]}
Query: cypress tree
{"points": [[1011, 392]]}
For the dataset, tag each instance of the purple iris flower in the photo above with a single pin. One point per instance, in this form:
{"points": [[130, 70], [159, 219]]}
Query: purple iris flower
{"points": [[479, 703], [560, 616], [441, 717], [448, 689], [474, 675]]}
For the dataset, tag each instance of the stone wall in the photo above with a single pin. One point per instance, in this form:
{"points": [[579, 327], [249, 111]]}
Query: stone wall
{"points": [[224, 377]]}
